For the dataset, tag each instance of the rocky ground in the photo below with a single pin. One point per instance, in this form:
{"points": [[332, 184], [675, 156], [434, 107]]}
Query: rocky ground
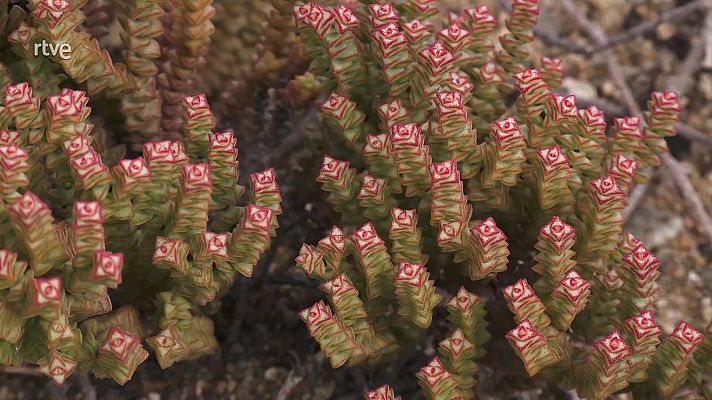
{"points": [[265, 350]]}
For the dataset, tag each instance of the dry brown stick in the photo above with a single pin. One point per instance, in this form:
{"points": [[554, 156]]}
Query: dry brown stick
{"points": [[682, 81], [290, 384], [707, 41], [636, 197], [685, 76], [672, 15], [20, 371], [692, 134], [674, 168], [694, 202], [557, 41]]}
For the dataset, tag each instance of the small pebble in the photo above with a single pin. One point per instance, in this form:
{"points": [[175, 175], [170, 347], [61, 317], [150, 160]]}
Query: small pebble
{"points": [[666, 31], [274, 374], [694, 278]]}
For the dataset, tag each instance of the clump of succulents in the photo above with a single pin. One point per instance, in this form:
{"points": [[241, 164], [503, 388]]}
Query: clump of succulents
{"points": [[164, 233], [162, 48], [164, 228], [253, 44], [454, 188]]}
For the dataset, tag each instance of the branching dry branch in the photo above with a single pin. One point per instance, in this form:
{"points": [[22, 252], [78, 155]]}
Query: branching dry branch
{"points": [[20, 371], [557, 41], [676, 14], [682, 80], [674, 168], [692, 134], [673, 15]]}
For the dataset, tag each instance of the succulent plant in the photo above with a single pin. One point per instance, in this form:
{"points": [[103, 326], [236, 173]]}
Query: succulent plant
{"points": [[459, 185], [165, 230], [141, 57], [479, 189], [163, 234]]}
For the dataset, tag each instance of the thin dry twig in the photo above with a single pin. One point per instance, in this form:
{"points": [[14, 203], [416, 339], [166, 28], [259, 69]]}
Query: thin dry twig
{"points": [[20, 371], [694, 202], [682, 80], [685, 77], [557, 41], [674, 168], [707, 41], [290, 384], [673, 15], [692, 134], [634, 199]]}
